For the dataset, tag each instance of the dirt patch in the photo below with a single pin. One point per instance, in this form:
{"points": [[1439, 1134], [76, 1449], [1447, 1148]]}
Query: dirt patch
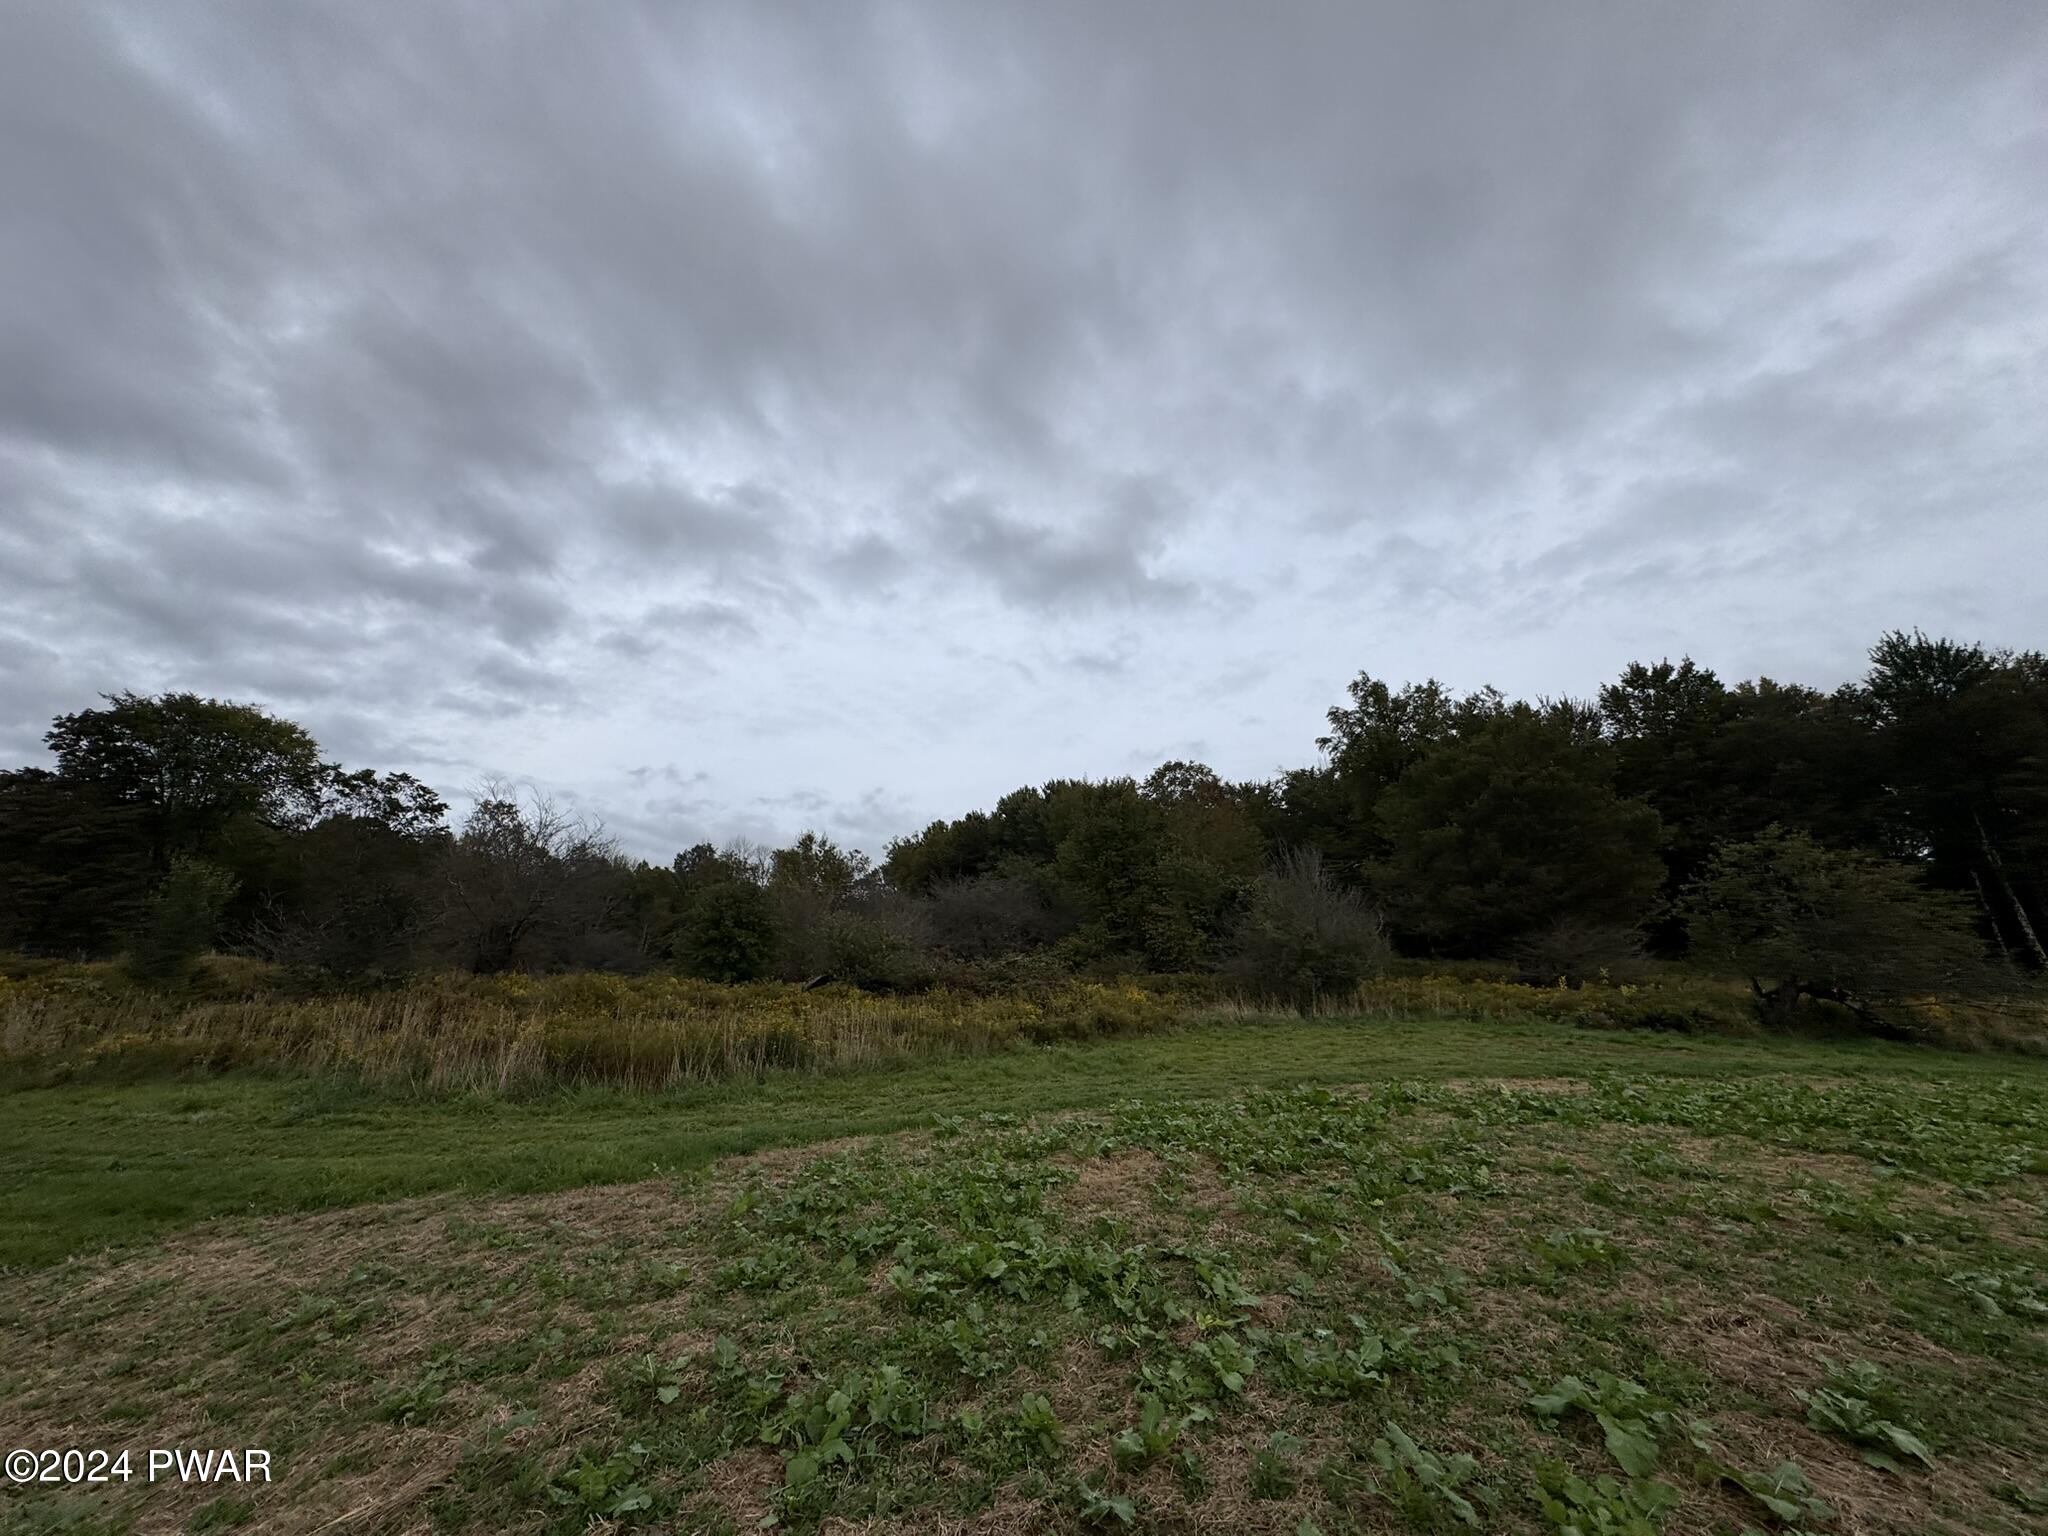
{"points": [[1784, 1164], [2016, 1221], [1756, 1344], [1199, 1178], [1772, 1348], [236, 1256], [1518, 1321], [1479, 1246]]}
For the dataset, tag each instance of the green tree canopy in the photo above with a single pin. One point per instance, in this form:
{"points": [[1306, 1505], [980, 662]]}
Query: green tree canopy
{"points": [[74, 865], [181, 919], [193, 764], [1962, 748], [1802, 920], [1510, 828], [728, 932], [1371, 742]]}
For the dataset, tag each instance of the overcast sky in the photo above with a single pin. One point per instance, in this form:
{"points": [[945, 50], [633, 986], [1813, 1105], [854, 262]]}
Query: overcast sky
{"points": [[745, 418]]}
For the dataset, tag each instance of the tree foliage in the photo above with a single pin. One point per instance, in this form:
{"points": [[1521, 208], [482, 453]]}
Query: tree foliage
{"points": [[1961, 736], [180, 920], [1511, 827], [192, 764], [526, 884], [74, 865], [1852, 844], [728, 931], [1802, 920]]}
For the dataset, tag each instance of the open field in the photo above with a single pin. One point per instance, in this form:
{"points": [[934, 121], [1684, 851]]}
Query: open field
{"points": [[92, 1163], [1283, 1276]]}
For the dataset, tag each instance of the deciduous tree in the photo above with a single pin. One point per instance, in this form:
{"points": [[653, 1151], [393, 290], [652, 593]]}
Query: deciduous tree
{"points": [[1802, 920], [1510, 828]]}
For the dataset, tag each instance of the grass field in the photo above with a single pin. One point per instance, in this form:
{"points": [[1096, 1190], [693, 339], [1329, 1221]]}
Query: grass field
{"points": [[1259, 1276]]}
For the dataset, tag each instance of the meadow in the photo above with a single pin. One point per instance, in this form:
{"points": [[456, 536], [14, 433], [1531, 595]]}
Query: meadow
{"points": [[511, 1033], [1266, 1274], [515, 1034]]}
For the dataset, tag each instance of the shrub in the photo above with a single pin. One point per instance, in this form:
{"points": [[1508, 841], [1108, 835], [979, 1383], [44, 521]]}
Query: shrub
{"points": [[876, 951], [1302, 938], [1688, 1005], [991, 916], [1086, 1010], [1571, 951], [181, 920], [1005, 974], [728, 933]]}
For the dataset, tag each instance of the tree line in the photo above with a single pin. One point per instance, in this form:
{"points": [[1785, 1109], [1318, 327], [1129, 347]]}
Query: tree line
{"points": [[1885, 837]]}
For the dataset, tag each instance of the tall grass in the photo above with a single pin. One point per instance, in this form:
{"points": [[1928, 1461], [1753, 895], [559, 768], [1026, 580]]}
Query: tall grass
{"points": [[505, 1034], [512, 1033], [1687, 1003]]}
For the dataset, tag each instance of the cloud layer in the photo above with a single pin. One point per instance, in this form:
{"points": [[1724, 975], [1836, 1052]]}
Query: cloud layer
{"points": [[741, 418]]}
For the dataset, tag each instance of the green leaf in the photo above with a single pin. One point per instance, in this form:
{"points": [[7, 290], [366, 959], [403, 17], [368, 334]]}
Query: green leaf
{"points": [[1906, 1441], [1566, 1394], [1784, 1509], [1636, 1451]]}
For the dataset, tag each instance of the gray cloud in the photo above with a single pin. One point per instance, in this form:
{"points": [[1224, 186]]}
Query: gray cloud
{"points": [[938, 398], [1109, 561]]}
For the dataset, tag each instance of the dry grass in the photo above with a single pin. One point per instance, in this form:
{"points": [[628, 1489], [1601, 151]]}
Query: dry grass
{"points": [[505, 1034], [1121, 1186], [509, 1034]]}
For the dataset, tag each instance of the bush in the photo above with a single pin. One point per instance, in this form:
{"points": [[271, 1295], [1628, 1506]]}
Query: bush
{"points": [[1004, 974], [991, 916], [877, 951], [1302, 938], [728, 933], [181, 920], [1571, 952], [1686, 1005], [1086, 1010]]}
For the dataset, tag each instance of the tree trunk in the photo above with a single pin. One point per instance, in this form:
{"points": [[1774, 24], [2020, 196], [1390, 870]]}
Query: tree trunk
{"points": [[2019, 908], [1991, 917], [1776, 1005]]}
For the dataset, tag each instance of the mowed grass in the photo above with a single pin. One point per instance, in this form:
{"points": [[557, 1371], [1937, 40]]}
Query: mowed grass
{"points": [[1284, 1277], [85, 1166]]}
